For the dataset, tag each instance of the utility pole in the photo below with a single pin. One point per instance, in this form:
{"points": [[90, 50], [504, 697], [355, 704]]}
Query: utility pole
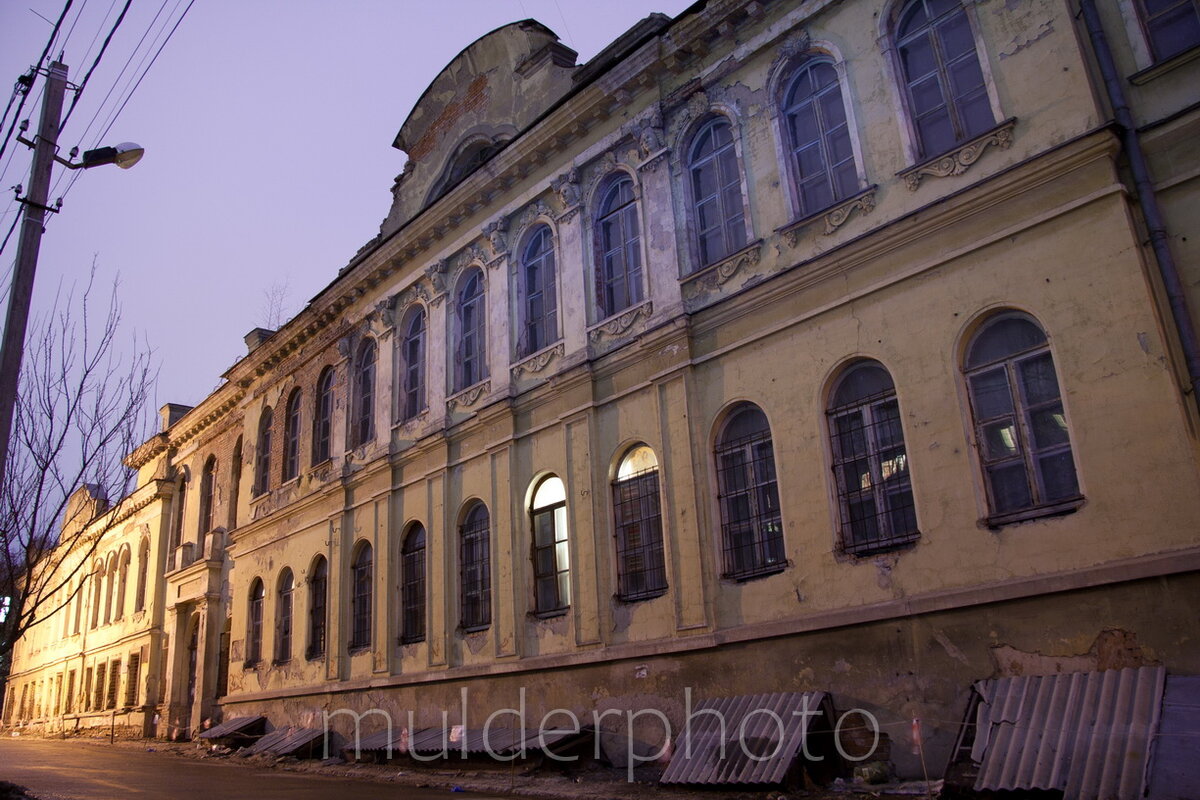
{"points": [[34, 218]]}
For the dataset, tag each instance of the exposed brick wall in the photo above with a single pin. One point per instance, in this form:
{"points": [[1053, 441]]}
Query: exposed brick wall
{"points": [[475, 96]]}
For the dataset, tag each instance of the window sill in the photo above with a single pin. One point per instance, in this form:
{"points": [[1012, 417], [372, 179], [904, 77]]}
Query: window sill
{"points": [[467, 399], [358, 649], [311, 656], [249, 665], [835, 215], [467, 630], [871, 549], [640, 597], [537, 361], [404, 640], [1163, 67], [551, 614], [765, 572], [1059, 509], [619, 324], [415, 418], [959, 159], [279, 662], [722, 271]]}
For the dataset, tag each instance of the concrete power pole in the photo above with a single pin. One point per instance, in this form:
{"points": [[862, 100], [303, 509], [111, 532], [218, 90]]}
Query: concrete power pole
{"points": [[34, 217]]}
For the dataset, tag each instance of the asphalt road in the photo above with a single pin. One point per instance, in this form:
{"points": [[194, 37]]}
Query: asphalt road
{"points": [[82, 770]]}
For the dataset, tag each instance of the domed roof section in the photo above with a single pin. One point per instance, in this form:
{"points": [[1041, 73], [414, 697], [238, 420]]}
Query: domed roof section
{"points": [[491, 91]]}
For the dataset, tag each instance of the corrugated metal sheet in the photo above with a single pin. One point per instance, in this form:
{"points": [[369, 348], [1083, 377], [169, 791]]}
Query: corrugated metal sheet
{"points": [[1086, 734], [427, 741], [738, 739], [1175, 753], [237, 725], [284, 741]]}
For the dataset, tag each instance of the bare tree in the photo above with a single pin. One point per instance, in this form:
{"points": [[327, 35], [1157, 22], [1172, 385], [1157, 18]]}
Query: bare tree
{"points": [[274, 309], [81, 408]]}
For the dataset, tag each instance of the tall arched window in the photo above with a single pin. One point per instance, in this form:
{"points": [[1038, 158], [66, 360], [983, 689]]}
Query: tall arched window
{"points": [[538, 298], [470, 348], [122, 582], [323, 417], [474, 538], [318, 593], [291, 437], [110, 587], [139, 597], [412, 586], [818, 135], [719, 215], [412, 363], [1020, 423], [262, 455], [944, 85], [641, 570], [870, 463], [364, 394], [283, 618], [205, 522], [254, 623], [618, 250], [361, 597], [97, 591], [178, 502], [551, 555], [235, 482], [751, 526], [1172, 26]]}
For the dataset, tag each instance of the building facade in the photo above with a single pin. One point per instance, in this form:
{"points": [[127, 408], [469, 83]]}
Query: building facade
{"points": [[782, 346]]}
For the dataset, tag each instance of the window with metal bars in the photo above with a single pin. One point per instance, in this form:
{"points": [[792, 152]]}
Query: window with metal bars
{"points": [[131, 680], [1172, 26], [363, 429], [818, 133], [412, 586], [262, 456], [944, 84], [254, 623], [641, 570], [69, 703], [318, 588], [539, 299], [98, 686], [551, 553], [618, 250], [475, 562], [751, 526], [85, 698], [719, 213], [471, 336], [361, 597], [412, 367], [1020, 422], [870, 462], [323, 417], [291, 437], [283, 618]]}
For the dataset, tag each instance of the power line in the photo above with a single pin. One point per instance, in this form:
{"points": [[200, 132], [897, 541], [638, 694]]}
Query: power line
{"points": [[34, 72], [91, 69], [71, 30]]}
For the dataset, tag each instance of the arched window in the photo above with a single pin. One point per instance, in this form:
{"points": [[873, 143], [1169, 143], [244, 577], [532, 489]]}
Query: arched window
{"points": [[262, 455], [475, 561], [719, 214], [539, 301], [97, 591], [235, 482], [944, 86], [870, 463], [318, 592], [205, 523], [470, 347], [291, 437], [364, 394], [323, 417], [412, 586], [412, 363], [361, 597], [254, 623], [618, 250], [139, 597], [110, 587], [283, 618], [470, 157], [178, 502], [751, 526], [1020, 424], [818, 133], [551, 556], [1172, 26], [641, 570], [122, 582]]}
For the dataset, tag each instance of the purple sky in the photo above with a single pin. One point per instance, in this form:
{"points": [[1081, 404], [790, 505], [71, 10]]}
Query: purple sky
{"points": [[268, 130]]}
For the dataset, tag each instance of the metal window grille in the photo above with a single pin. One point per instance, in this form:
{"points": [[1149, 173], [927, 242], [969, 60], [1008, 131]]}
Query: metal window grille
{"points": [[323, 418], [870, 467], [641, 571], [98, 686], [69, 703], [114, 678], [551, 561], [318, 588], [131, 682], [751, 527], [283, 643], [360, 606], [718, 210], [475, 563], [291, 438], [262, 458], [412, 588], [85, 699]]}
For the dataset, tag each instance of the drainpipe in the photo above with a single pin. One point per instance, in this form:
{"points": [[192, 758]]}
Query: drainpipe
{"points": [[1159, 240]]}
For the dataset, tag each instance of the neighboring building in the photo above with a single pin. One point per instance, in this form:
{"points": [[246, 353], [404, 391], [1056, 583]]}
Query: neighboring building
{"points": [[783, 346]]}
